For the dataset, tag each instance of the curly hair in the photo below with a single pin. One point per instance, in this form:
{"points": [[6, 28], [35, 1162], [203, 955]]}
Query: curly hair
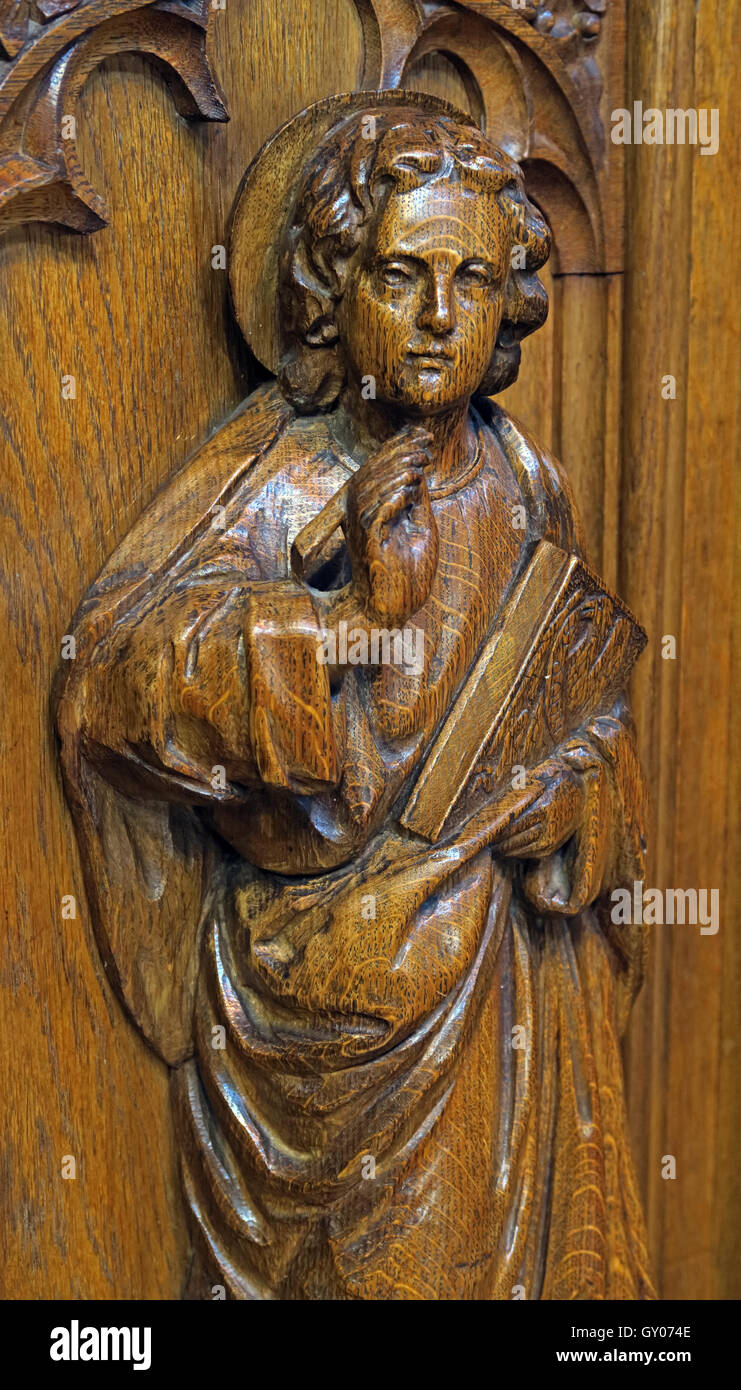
{"points": [[343, 193]]}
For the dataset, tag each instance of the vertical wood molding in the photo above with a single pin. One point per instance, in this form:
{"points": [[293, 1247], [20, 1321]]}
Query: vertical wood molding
{"points": [[676, 565], [705, 1085]]}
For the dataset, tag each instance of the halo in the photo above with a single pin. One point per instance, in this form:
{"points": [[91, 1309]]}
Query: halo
{"points": [[267, 195]]}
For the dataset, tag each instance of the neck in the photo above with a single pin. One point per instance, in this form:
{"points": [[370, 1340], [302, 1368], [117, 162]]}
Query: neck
{"points": [[365, 425]]}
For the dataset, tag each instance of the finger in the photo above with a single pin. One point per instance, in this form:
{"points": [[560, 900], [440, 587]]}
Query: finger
{"points": [[537, 837], [525, 819], [370, 512], [393, 506], [516, 805], [525, 844], [414, 459], [408, 484], [420, 514], [412, 464], [534, 814], [419, 521], [372, 487], [417, 433], [407, 448]]}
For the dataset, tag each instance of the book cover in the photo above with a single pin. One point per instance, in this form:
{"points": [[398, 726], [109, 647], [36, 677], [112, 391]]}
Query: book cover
{"points": [[562, 651]]}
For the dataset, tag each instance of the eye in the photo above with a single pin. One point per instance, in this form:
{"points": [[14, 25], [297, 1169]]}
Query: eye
{"points": [[394, 274], [474, 273]]}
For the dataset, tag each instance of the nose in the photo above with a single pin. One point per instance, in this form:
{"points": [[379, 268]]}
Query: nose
{"points": [[438, 313]]}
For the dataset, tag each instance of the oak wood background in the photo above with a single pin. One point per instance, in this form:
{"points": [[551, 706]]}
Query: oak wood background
{"points": [[139, 317]]}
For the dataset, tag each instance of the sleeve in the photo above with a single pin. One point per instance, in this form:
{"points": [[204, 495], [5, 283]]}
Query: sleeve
{"points": [[609, 850], [209, 687], [180, 656]]}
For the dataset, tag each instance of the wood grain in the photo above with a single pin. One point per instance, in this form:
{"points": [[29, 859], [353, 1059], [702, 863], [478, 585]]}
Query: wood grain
{"points": [[140, 320], [679, 551], [139, 316], [304, 1036]]}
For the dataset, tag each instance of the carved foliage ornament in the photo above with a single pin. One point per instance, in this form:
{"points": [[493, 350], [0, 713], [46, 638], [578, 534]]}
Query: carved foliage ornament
{"points": [[563, 19], [18, 17]]}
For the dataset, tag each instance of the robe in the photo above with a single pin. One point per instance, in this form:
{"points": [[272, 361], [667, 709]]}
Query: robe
{"points": [[395, 1065]]}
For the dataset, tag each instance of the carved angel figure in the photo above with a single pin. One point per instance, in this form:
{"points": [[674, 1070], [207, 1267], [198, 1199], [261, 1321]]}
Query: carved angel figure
{"points": [[395, 1059]]}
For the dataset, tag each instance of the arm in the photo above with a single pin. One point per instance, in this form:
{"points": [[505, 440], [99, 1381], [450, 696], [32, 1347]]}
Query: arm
{"points": [[583, 835], [210, 686], [212, 682]]}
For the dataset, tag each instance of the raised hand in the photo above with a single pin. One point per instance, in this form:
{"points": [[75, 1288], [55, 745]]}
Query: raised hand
{"points": [[391, 531]]}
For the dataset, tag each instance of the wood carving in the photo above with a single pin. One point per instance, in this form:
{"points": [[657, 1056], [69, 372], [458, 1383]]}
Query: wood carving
{"points": [[536, 89], [356, 895], [530, 71], [52, 48]]}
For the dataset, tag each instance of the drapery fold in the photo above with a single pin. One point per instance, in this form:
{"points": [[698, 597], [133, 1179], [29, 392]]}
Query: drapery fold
{"points": [[352, 1035]]}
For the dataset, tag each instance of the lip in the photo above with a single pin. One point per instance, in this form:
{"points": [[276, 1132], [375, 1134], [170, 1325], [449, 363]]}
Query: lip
{"points": [[432, 357]]}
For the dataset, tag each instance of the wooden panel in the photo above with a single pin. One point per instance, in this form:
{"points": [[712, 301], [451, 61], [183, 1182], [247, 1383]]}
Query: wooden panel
{"points": [[677, 568], [568, 393], [532, 399], [699, 1080], [137, 315]]}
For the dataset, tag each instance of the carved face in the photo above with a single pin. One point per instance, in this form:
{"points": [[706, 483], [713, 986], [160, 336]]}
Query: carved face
{"points": [[421, 312]]}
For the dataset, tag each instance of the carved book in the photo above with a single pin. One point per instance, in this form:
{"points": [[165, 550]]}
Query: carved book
{"points": [[561, 652]]}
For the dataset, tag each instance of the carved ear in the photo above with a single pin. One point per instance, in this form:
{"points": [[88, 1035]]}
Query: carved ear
{"points": [[322, 333], [525, 309], [525, 301]]}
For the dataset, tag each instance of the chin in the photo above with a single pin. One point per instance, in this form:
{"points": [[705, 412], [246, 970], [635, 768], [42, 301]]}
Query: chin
{"points": [[427, 398], [432, 403]]}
